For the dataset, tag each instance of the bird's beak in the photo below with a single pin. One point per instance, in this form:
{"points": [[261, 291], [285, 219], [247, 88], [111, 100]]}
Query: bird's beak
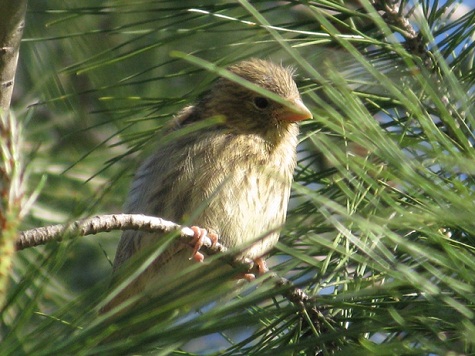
{"points": [[296, 111]]}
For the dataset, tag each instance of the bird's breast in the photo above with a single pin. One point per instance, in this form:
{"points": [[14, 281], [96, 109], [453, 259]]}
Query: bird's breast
{"points": [[242, 190], [234, 185]]}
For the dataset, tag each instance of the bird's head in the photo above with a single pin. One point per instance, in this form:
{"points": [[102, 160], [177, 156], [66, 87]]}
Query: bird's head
{"points": [[245, 110]]}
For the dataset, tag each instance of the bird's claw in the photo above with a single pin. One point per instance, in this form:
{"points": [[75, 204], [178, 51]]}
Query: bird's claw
{"points": [[261, 269], [261, 266], [200, 234]]}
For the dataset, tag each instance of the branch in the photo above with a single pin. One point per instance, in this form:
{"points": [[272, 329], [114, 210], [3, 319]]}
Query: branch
{"points": [[12, 22], [414, 41], [395, 17], [106, 223]]}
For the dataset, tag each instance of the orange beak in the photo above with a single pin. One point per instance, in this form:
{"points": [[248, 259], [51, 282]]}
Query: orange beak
{"points": [[295, 111]]}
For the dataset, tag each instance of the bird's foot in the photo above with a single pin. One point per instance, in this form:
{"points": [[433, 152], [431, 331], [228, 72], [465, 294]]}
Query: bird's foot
{"points": [[261, 269], [200, 234]]}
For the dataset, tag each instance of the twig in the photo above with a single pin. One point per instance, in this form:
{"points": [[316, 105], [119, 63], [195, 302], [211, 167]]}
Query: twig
{"points": [[106, 223], [12, 22], [394, 16], [414, 41]]}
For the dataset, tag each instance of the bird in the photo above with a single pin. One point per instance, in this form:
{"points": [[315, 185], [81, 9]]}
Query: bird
{"points": [[225, 166]]}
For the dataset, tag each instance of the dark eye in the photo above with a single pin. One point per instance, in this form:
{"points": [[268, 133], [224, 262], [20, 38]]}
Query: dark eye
{"points": [[260, 102]]}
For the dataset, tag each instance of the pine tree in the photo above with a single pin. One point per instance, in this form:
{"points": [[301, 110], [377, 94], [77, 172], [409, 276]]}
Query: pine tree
{"points": [[380, 233]]}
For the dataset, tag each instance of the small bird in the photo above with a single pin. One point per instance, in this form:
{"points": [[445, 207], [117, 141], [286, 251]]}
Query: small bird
{"points": [[231, 177]]}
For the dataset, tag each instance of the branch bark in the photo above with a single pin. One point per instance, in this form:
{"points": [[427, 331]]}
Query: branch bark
{"points": [[107, 223], [12, 22]]}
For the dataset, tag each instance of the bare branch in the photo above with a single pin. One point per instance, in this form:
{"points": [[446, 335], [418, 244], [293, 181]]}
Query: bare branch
{"points": [[12, 22], [106, 223]]}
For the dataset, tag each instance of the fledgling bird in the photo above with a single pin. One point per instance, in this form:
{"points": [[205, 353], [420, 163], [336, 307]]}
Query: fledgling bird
{"points": [[232, 178]]}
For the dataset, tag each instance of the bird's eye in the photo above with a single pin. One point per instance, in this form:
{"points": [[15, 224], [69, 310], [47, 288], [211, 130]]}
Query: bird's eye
{"points": [[260, 102]]}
